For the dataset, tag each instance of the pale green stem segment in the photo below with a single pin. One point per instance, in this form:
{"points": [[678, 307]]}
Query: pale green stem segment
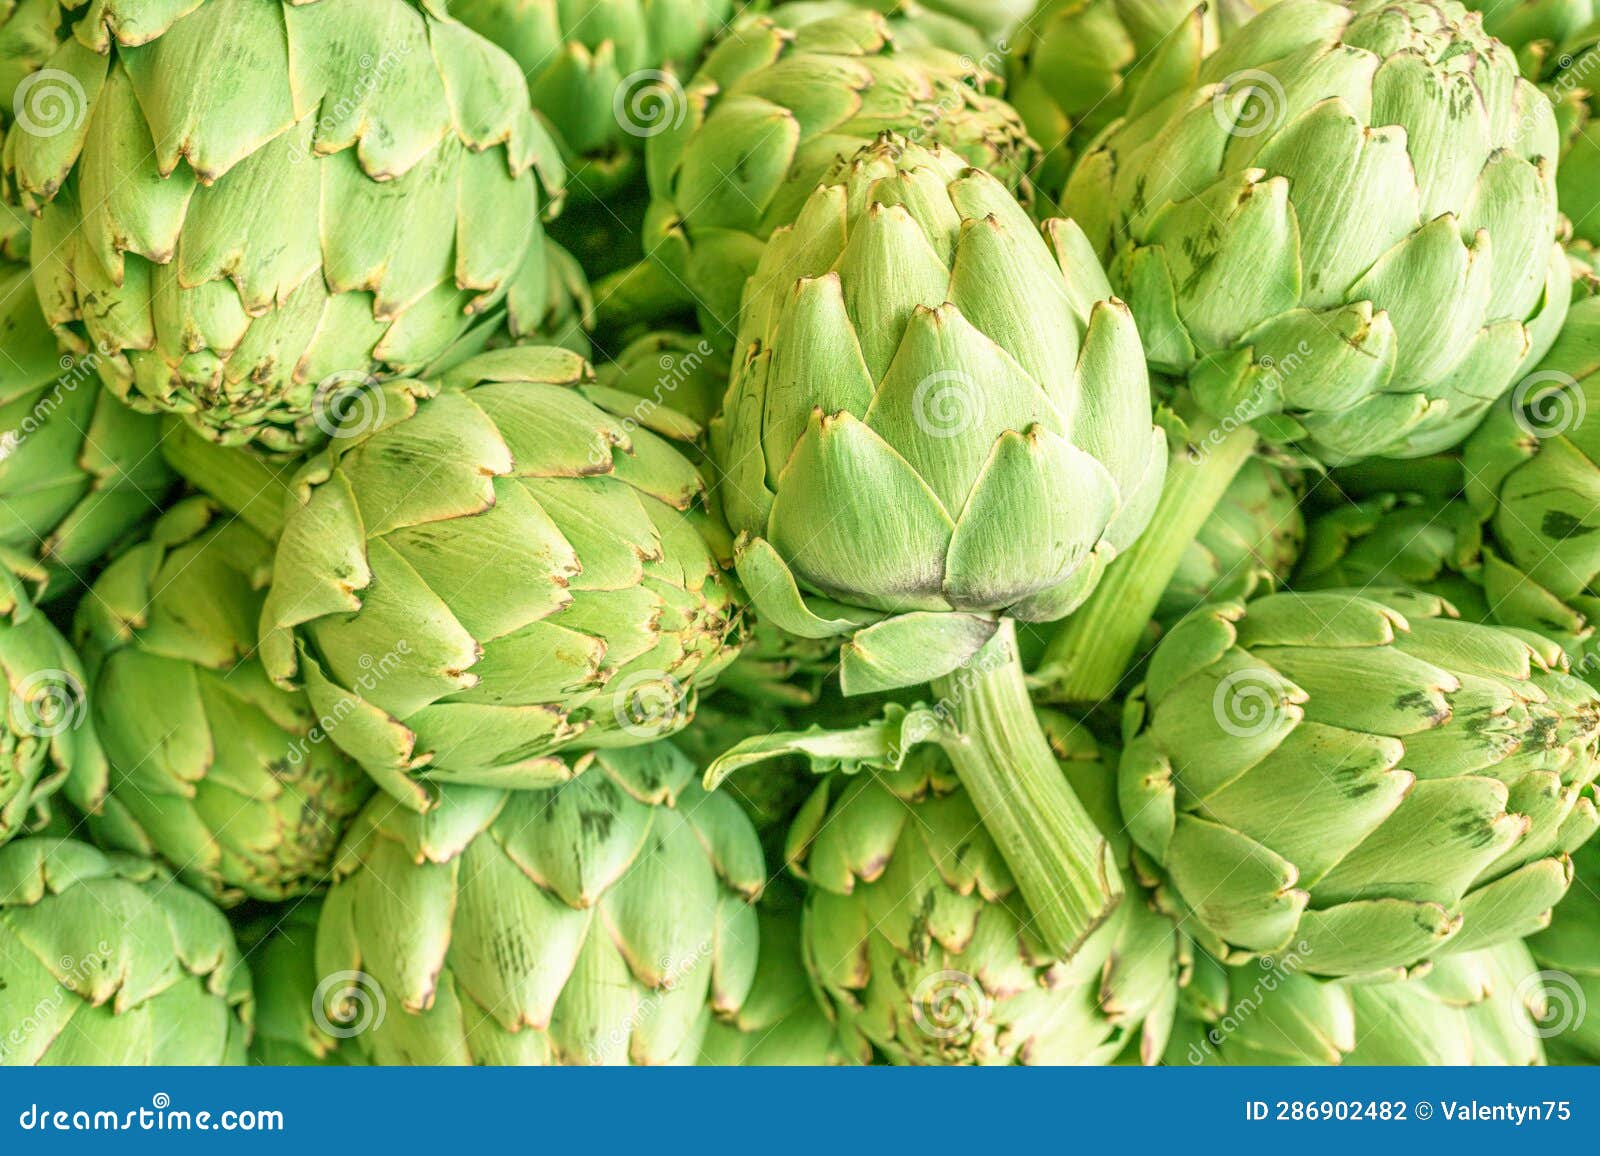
{"points": [[1063, 864], [1092, 651]]}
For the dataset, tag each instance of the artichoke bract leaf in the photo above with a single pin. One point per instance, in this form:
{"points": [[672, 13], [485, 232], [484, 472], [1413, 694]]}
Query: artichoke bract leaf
{"points": [[1040, 500], [384, 747], [1513, 906], [1375, 939], [910, 649], [1240, 889], [773, 589], [1453, 829], [896, 543]]}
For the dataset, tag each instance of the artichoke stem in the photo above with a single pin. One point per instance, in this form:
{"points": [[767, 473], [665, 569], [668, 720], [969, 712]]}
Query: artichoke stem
{"points": [[1087, 658], [248, 484], [1063, 864]]}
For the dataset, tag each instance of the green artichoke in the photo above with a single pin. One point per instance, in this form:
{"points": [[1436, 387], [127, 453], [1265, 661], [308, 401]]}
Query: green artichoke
{"points": [[604, 921], [292, 1028], [941, 423], [1075, 64], [1477, 1008], [1249, 542], [604, 73], [781, 1023], [768, 115], [78, 471], [1431, 812], [227, 777], [1569, 953], [915, 931], [1303, 233], [46, 743], [1533, 476], [107, 961], [244, 252], [542, 583], [1340, 231]]}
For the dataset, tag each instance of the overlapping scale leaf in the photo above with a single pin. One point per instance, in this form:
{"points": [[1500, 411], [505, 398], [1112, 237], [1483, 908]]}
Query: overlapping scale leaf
{"points": [[605, 921], [292, 1026], [1480, 1008], [775, 104], [606, 75], [79, 472]]}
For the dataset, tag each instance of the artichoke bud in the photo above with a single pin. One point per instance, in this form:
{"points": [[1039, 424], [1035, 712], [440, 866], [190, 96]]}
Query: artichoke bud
{"points": [[492, 569], [962, 394], [1270, 214], [792, 91], [604, 921], [1569, 954], [108, 961], [916, 934], [247, 254], [1435, 811], [213, 768]]}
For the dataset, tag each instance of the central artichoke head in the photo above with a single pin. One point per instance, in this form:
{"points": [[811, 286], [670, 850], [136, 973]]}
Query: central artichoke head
{"points": [[937, 407]]}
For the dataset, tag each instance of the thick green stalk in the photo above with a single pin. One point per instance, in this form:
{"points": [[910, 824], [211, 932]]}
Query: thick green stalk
{"points": [[1063, 864], [1086, 660]]}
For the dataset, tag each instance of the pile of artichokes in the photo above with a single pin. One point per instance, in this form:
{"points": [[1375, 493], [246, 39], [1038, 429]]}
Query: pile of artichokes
{"points": [[924, 532]]}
